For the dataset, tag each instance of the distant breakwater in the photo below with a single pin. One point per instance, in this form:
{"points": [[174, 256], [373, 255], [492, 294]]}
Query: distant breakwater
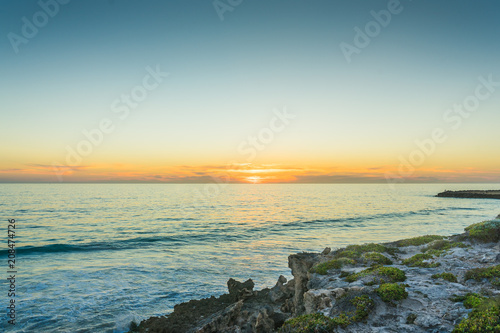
{"points": [[491, 194]]}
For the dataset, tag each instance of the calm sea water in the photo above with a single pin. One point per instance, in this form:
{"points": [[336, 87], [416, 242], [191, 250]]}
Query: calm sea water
{"points": [[94, 257]]}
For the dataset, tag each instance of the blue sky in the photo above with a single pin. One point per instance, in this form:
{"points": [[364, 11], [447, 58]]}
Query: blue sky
{"points": [[227, 76]]}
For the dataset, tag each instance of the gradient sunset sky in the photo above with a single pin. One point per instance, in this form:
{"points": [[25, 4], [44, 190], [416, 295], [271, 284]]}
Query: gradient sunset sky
{"points": [[265, 94]]}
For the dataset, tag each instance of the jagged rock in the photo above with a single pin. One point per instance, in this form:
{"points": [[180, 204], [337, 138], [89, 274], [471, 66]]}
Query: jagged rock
{"points": [[317, 300], [427, 321], [300, 264], [264, 323], [238, 290], [326, 251], [339, 292], [282, 290]]}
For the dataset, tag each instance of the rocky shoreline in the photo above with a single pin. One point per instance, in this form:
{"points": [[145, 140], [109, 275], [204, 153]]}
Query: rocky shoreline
{"points": [[490, 194], [423, 284]]}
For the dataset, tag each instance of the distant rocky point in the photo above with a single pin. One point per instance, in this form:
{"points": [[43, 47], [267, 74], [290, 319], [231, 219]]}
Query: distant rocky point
{"points": [[489, 194], [423, 284]]}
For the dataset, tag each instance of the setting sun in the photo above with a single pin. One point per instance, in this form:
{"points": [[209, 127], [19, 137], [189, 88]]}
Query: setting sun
{"points": [[254, 179]]}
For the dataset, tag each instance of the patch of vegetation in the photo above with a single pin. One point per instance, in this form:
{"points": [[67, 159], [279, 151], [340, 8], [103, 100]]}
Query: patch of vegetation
{"points": [[311, 323], [353, 254], [416, 241], [364, 305], [356, 251], [485, 232], [411, 319], [390, 292], [485, 317], [445, 276], [380, 274], [317, 322], [439, 247], [491, 273], [324, 267], [418, 261], [473, 300], [341, 320], [376, 258], [442, 245], [344, 274]]}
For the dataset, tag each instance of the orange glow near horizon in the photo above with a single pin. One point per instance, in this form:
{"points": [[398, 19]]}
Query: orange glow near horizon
{"points": [[239, 173]]}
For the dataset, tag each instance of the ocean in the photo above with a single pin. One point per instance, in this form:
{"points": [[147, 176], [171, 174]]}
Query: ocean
{"points": [[94, 257]]}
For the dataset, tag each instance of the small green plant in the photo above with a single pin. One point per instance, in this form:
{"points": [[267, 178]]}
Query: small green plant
{"points": [[380, 274], [344, 274], [445, 276], [491, 273], [317, 322], [416, 241], [440, 246], [473, 300], [341, 320], [356, 251], [364, 305], [485, 317], [485, 232], [418, 261], [390, 292], [376, 258], [324, 267]]}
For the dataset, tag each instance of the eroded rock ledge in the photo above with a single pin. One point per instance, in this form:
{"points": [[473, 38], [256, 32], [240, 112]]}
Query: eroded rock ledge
{"points": [[423, 284]]}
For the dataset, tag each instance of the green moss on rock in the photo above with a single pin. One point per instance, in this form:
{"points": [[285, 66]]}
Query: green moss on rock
{"points": [[485, 316], [443, 244], [376, 258], [390, 292], [445, 276], [364, 305], [324, 267], [491, 273], [473, 300], [416, 241], [318, 322], [485, 232], [418, 261], [356, 251], [381, 274]]}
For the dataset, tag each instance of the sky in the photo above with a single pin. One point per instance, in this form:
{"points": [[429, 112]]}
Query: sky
{"points": [[249, 91]]}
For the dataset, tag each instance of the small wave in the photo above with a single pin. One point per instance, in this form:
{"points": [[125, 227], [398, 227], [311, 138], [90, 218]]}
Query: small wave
{"points": [[351, 222], [99, 246], [175, 219]]}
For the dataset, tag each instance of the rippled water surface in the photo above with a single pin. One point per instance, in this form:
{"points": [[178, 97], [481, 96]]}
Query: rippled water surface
{"points": [[94, 257]]}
